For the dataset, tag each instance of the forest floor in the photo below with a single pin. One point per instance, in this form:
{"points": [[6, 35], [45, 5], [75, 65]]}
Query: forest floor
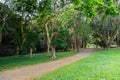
{"points": [[33, 71]]}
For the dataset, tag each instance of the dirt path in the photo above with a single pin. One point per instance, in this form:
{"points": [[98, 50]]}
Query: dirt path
{"points": [[33, 71]]}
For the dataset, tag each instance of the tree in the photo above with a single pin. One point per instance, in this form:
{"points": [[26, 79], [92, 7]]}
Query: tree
{"points": [[107, 24], [26, 9], [4, 12], [106, 29], [50, 20]]}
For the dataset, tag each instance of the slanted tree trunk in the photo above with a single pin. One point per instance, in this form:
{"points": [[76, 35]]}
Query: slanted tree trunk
{"points": [[53, 52], [31, 52]]}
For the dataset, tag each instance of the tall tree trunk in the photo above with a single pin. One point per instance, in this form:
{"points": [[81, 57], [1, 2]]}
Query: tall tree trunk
{"points": [[53, 52], [31, 51], [48, 38], [23, 37], [72, 43], [75, 43], [76, 39], [48, 48]]}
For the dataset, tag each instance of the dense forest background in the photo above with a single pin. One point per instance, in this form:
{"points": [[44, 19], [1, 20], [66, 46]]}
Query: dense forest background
{"points": [[34, 26]]}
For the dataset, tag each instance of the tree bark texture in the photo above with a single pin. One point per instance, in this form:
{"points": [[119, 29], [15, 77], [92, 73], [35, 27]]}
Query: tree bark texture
{"points": [[53, 52], [48, 38]]}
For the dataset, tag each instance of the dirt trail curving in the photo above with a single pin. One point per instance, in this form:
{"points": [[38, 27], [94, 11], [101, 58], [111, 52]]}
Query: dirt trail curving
{"points": [[30, 72]]}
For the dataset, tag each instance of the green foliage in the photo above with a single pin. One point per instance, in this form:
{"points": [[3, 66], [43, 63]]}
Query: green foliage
{"points": [[101, 65], [61, 39], [108, 8], [76, 2], [90, 7], [45, 6], [32, 39], [64, 19], [25, 8]]}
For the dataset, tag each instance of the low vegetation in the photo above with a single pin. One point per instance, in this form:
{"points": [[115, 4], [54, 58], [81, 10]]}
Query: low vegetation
{"points": [[103, 65], [13, 62]]}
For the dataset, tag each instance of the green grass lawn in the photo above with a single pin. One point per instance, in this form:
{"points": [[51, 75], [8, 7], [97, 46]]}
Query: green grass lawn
{"points": [[13, 62], [103, 65]]}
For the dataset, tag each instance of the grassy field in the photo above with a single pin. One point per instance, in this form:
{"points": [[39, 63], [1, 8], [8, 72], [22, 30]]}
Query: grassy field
{"points": [[104, 65], [13, 62]]}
